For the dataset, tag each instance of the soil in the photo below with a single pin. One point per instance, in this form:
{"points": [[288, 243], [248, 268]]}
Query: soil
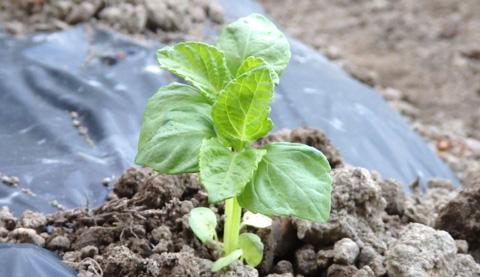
{"points": [[422, 57], [374, 229]]}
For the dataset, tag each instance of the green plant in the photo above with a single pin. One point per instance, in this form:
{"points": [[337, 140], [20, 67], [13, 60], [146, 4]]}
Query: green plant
{"points": [[209, 128]]}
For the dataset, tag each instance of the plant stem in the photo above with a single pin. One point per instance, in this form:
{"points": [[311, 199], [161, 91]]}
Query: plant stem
{"points": [[233, 211]]}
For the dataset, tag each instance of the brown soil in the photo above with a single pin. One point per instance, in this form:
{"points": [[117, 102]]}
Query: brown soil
{"points": [[143, 229]]}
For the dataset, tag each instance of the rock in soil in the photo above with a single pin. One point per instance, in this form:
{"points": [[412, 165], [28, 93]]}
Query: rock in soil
{"points": [[421, 251], [345, 251]]}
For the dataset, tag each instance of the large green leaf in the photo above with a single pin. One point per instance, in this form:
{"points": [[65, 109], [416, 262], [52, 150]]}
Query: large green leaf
{"points": [[256, 36], [241, 112], [292, 179], [202, 64], [252, 248], [167, 98], [203, 223], [171, 138], [224, 173], [252, 63]]}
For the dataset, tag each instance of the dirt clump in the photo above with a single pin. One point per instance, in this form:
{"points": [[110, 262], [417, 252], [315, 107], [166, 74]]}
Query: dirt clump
{"points": [[143, 230], [7, 220], [434, 252], [461, 218], [36, 221]]}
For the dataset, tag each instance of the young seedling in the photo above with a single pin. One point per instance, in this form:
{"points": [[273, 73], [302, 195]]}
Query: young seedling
{"points": [[210, 125]]}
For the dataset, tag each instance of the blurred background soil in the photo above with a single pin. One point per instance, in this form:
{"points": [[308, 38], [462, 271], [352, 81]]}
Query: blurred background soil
{"points": [[422, 56]]}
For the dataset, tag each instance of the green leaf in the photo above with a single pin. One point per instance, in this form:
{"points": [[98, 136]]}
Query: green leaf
{"points": [[256, 220], [252, 63], [227, 260], [201, 64], [167, 98], [241, 112], [252, 248], [224, 173], [203, 223], [256, 36], [292, 179], [175, 122]]}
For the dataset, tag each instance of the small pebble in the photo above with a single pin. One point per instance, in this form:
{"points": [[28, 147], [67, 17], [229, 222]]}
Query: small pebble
{"points": [[76, 122], [106, 181], [74, 115], [29, 192], [12, 181], [57, 205], [89, 251], [60, 243], [82, 130]]}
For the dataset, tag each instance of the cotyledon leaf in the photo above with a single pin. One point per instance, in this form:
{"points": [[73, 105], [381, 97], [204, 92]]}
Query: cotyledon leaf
{"points": [[224, 173], [227, 260], [201, 64], [173, 147], [252, 248], [256, 36], [241, 112], [203, 223], [292, 179]]}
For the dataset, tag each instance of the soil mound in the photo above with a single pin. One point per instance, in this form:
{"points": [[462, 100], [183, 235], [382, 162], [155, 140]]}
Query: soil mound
{"points": [[374, 228]]}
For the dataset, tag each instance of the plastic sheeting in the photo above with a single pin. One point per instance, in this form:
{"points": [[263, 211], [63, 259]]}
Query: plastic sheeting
{"points": [[106, 78], [30, 260], [45, 77]]}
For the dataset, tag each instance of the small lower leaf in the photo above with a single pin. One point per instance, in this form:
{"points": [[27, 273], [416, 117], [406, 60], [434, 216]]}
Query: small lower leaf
{"points": [[252, 248], [203, 223], [227, 260]]}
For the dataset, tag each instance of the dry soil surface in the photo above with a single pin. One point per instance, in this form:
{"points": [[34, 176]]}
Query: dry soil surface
{"points": [[374, 228]]}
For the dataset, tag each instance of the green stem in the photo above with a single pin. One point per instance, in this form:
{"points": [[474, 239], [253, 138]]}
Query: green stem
{"points": [[233, 211]]}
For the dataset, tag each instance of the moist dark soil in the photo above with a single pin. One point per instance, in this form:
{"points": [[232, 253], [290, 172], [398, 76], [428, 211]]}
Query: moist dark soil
{"points": [[374, 229]]}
